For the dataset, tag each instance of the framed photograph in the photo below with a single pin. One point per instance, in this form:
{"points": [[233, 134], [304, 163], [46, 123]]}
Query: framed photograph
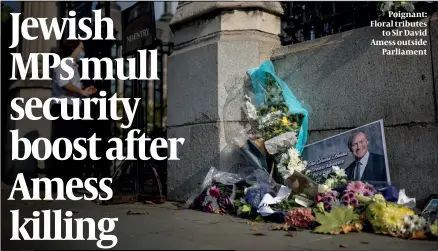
{"points": [[361, 152], [431, 207]]}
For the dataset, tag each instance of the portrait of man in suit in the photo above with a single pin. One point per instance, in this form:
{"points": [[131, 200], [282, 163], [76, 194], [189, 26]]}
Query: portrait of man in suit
{"points": [[367, 166]]}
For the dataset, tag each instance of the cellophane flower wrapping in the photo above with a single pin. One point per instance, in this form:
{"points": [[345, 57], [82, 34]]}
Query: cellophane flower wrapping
{"points": [[274, 109], [276, 116], [216, 193]]}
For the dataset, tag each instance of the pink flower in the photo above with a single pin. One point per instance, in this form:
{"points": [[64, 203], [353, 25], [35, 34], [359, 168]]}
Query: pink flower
{"points": [[208, 208], [299, 217], [356, 186], [369, 187], [214, 192], [318, 198]]}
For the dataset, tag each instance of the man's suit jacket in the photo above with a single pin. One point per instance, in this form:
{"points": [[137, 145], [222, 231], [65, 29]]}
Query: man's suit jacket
{"points": [[375, 169]]}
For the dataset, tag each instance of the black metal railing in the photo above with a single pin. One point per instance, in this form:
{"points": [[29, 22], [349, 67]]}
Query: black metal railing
{"points": [[310, 20]]}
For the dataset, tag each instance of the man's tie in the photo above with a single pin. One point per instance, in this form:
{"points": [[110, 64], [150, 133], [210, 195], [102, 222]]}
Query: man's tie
{"points": [[357, 171]]}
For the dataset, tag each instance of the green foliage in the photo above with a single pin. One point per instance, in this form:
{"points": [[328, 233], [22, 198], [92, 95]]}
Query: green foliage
{"points": [[6, 11], [339, 220], [259, 218], [246, 208], [274, 102], [285, 205]]}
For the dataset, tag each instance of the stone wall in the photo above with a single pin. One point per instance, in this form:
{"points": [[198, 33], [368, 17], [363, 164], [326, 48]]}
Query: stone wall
{"points": [[347, 83], [215, 44]]}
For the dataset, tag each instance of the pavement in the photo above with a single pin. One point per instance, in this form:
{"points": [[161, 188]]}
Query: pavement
{"points": [[165, 226]]}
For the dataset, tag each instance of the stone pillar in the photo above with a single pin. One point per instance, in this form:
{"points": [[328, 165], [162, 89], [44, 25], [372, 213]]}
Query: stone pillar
{"points": [[29, 89], [215, 44]]}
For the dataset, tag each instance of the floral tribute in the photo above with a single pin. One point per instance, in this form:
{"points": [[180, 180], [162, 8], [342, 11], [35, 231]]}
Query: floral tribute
{"points": [[338, 206]]}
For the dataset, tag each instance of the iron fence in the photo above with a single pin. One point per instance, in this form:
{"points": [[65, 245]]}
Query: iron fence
{"points": [[310, 20]]}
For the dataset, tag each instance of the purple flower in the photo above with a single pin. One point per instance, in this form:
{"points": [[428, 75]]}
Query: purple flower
{"points": [[334, 194], [328, 208], [328, 199], [351, 195], [224, 202], [346, 198], [326, 205], [369, 187], [354, 202], [346, 203], [367, 193]]}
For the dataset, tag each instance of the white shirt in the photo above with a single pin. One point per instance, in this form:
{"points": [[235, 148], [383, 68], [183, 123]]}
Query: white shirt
{"points": [[57, 83], [363, 163]]}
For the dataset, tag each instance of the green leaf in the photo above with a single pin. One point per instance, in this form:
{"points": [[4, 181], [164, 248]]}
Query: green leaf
{"points": [[259, 218], [246, 208], [340, 219], [237, 203]]}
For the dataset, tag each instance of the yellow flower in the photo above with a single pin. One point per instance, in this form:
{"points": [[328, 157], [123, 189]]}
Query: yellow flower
{"points": [[378, 209], [393, 221], [285, 121], [434, 228], [406, 211]]}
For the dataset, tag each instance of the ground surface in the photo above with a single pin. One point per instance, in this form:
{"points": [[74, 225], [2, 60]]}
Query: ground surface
{"points": [[166, 227]]}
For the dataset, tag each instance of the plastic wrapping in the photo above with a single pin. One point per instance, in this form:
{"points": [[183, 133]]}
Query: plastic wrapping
{"points": [[212, 178], [219, 190], [280, 142], [405, 200], [276, 110]]}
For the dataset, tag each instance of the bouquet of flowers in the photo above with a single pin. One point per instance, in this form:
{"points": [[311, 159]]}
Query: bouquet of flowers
{"points": [[329, 199], [289, 163], [434, 228], [354, 189], [300, 217], [216, 199], [272, 118], [393, 219]]}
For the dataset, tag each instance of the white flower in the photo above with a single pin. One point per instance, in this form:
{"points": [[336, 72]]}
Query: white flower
{"points": [[291, 162], [330, 182], [251, 110], [414, 223], [339, 171]]}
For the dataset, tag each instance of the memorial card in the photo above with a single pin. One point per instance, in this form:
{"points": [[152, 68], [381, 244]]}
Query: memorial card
{"points": [[361, 152]]}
